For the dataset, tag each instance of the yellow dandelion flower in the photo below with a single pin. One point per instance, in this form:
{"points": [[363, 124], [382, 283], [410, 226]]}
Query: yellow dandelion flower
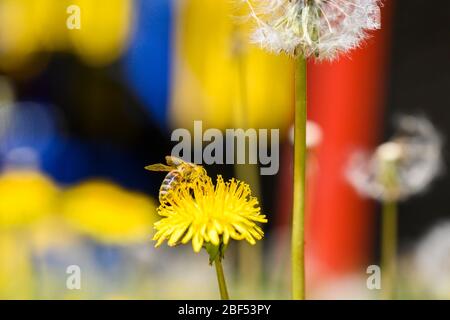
{"points": [[206, 214]]}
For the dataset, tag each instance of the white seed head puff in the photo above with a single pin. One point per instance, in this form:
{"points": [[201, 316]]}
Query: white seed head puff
{"points": [[416, 152], [320, 28]]}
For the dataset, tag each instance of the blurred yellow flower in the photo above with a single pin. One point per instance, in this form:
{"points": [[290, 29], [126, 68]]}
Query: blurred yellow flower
{"points": [[105, 30], [108, 213], [205, 213], [31, 26], [25, 196], [220, 78]]}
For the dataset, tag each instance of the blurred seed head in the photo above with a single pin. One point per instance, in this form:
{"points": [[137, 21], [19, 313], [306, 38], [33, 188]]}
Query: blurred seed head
{"points": [[314, 135], [320, 28], [432, 260], [402, 167], [389, 152]]}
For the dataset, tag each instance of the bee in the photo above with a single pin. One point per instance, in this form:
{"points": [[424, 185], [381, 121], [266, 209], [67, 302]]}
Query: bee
{"points": [[180, 171]]}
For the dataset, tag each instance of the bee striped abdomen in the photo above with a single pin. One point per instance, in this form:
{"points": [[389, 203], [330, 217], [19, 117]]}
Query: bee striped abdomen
{"points": [[169, 183]]}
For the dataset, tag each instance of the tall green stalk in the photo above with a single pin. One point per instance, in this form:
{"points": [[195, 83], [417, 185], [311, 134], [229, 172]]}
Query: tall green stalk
{"points": [[250, 259], [221, 279], [389, 249], [299, 195]]}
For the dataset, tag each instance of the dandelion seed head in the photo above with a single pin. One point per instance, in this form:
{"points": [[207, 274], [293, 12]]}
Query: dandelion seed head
{"points": [[320, 28], [390, 152], [402, 167]]}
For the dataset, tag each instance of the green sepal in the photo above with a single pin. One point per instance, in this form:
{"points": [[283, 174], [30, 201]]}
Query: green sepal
{"points": [[215, 251]]}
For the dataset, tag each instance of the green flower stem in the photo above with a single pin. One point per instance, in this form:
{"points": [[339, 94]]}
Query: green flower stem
{"points": [[389, 249], [298, 209], [221, 279]]}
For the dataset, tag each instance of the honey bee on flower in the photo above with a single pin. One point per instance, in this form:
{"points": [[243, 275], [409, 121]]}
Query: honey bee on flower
{"points": [[194, 209], [180, 171], [206, 213]]}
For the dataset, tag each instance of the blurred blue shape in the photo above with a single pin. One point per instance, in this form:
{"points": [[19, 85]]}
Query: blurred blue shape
{"points": [[67, 161], [31, 137], [27, 130], [147, 62]]}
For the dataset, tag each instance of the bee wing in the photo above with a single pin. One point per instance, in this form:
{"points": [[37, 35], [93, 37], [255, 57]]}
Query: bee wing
{"points": [[158, 167], [174, 161]]}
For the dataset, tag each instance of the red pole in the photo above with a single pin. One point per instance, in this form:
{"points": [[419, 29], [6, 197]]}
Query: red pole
{"points": [[346, 98]]}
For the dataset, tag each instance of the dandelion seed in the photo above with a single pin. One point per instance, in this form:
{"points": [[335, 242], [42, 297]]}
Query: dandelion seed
{"points": [[320, 28]]}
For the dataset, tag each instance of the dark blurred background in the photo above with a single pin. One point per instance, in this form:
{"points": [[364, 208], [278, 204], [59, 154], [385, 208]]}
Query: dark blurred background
{"points": [[419, 82]]}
